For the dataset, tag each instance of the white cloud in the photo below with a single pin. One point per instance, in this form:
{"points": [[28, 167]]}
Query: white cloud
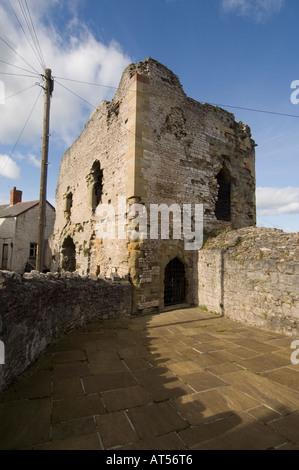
{"points": [[257, 10], [33, 160], [77, 55], [8, 167], [277, 201]]}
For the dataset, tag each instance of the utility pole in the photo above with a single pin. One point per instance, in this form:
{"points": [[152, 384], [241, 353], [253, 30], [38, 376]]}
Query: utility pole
{"points": [[44, 170]]}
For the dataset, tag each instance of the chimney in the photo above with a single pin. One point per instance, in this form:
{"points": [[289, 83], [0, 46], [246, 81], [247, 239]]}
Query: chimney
{"points": [[15, 197]]}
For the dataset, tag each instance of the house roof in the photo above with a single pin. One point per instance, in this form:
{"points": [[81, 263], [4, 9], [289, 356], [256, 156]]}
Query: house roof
{"points": [[18, 209]]}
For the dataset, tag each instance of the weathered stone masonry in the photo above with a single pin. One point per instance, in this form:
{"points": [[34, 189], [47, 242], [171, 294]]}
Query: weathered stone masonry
{"points": [[252, 275], [153, 145], [37, 309]]}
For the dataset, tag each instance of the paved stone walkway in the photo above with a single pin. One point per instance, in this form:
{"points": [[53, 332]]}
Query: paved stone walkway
{"points": [[184, 379]]}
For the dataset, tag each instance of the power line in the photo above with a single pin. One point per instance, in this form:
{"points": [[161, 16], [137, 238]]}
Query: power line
{"points": [[18, 75], [25, 89], [28, 20], [267, 221], [29, 42], [94, 107], [10, 47], [35, 35], [254, 110], [73, 93], [88, 83], [24, 127], [213, 104], [16, 66]]}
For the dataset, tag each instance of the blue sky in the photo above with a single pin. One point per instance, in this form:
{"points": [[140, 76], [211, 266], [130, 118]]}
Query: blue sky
{"points": [[239, 53]]}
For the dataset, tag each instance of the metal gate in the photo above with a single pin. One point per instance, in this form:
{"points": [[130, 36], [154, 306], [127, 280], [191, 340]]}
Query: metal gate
{"points": [[174, 283]]}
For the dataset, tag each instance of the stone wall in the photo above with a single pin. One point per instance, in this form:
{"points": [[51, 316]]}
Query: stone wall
{"points": [[36, 309], [252, 275]]}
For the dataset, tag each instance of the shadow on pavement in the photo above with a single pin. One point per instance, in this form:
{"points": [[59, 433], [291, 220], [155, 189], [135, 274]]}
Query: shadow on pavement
{"points": [[180, 380]]}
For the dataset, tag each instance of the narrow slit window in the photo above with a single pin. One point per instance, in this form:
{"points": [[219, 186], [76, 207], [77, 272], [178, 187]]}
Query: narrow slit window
{"points": [[68, 204], [97, 185], [223, 203]]}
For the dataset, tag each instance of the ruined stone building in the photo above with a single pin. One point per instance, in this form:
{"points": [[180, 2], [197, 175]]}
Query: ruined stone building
{"points": [[18, 233], [152, 145]]}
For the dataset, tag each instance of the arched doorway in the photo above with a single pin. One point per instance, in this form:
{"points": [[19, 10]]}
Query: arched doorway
{"points": [[174, 283], [68, 252]]}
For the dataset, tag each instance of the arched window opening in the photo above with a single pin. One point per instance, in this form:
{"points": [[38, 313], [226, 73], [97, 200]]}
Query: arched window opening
{"points": [[68, 252], [223, 203], [68, 204], [97, 185], [174, 283]]}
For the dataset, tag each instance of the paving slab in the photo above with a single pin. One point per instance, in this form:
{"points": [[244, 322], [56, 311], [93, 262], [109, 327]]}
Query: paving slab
{"points": [[24, 423], [213, 405], [85, 442], [170, 441], [104, 382], [71, 370], [155, 419], [288, 426], [257, 346], [115, 429], [201, 381], [264, 363], [264, 414], [67, 388], [78, 407], [74, 428], [126, 398], [285, 376], [136, 363], [36, 385], [238, 432], [274, 395], [69, 356]]}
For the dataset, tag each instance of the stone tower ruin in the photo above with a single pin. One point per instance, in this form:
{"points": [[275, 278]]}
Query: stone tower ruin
{"points": [[151, 145]]}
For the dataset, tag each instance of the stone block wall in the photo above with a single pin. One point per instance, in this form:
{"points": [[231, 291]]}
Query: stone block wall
{"points": [[180, 148], [36, 309], [252, 275]]}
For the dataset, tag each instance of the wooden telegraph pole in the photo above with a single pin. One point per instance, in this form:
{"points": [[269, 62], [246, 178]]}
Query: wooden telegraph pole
{"points": [[44, 171]]}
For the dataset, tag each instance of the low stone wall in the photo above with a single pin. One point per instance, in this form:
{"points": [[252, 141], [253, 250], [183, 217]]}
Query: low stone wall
{"points": [[252, 275], [37, 309]]}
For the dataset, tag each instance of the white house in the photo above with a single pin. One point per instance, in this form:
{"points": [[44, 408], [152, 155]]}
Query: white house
{"points": [[19, 234]]}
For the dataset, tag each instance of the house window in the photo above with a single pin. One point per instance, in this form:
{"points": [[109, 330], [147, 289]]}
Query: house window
{"points": [[4, 256], [223, 203], [33, 250]]}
